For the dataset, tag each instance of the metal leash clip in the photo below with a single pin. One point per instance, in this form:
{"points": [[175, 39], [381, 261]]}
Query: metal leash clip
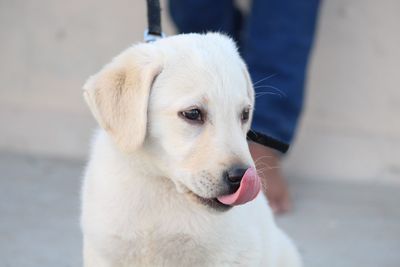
{"points": [[151, 37]]}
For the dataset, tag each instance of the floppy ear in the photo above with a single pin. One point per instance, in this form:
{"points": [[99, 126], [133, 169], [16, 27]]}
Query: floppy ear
{"points": [[118, 95]]}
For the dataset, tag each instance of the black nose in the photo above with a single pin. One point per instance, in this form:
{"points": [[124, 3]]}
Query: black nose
{"points": [[234, 176]]}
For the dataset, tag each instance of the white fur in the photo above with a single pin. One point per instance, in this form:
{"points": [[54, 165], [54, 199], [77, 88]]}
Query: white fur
{"points": [[147, 163]]}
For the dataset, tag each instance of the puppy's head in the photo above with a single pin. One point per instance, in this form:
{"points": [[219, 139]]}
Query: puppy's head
{"points": [[187, 101]]}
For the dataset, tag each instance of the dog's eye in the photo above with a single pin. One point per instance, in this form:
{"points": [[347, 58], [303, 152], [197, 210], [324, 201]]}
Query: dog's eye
{"points": [[194, 115], [245, 115]]}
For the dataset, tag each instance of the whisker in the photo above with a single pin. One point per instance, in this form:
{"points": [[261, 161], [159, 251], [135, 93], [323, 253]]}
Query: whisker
{"points": [[261, 167], [272, 87], [267, 93], [266, 78], [267, 168], [261, 158]]}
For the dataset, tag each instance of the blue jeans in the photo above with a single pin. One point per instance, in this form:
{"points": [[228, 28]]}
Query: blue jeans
{"points": [[274, 39]]}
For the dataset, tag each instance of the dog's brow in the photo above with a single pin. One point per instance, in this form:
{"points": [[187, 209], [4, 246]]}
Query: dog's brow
{"points": [[204, 99]]}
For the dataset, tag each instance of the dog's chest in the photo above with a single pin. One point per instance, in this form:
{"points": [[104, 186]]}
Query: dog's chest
{"points": [[151, 248]]}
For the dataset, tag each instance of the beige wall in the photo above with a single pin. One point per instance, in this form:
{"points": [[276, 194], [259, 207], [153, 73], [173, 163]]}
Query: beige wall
{"points": [[351, 125]]}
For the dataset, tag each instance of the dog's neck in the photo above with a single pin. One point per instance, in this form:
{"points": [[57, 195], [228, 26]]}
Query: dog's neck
{"points": [[139, 167]]}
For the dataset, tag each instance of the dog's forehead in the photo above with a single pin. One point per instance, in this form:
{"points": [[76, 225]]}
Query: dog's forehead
{"points": [[207, 68], [196, 86]]}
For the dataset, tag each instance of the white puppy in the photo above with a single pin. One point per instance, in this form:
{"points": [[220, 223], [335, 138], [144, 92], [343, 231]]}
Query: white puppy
{"points": [[170, 166]]}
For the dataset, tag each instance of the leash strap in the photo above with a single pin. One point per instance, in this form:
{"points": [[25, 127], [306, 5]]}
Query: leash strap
{"points": [[268, 141], [154, 31]]}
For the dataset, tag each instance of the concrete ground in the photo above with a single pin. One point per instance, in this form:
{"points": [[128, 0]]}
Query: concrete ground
{"points": [[334, 223]]}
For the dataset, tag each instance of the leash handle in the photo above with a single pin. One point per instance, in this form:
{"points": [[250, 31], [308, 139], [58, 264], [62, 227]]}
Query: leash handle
{"points": [[154, 31]]}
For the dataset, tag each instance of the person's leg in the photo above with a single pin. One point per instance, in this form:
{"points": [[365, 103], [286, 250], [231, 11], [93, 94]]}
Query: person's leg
{"points": [[206, 15], [277, 42]]}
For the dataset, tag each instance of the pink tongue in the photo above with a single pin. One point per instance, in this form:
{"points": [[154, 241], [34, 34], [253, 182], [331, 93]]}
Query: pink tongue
{"points": [[248, 190]]}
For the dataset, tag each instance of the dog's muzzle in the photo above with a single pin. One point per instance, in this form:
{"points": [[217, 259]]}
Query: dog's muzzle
{"points": [[245, 185]]}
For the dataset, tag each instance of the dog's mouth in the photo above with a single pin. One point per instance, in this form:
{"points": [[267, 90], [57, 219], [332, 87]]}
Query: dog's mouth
{"points": [[248, 190], [212, 203]]}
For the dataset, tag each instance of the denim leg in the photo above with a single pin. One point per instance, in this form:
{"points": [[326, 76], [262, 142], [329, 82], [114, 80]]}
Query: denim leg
{"points": [[277, 39], [206, 15]]}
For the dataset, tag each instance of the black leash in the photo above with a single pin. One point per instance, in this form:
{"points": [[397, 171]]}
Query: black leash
{"points": [[268, 141], [154, 32]]}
